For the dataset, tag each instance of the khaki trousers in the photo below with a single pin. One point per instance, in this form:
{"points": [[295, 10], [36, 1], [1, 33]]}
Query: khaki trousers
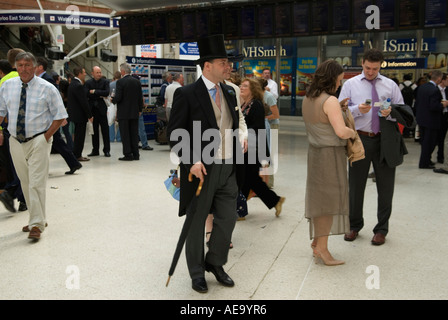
{"points": [[31, 160]]}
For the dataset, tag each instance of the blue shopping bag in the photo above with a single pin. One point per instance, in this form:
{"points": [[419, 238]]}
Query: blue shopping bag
{"points": [[172, 184]]}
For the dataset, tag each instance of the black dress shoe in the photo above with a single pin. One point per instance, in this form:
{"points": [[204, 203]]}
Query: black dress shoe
{"points": [[8, 201], [72, 170], [440, 170], [107, 154], [220, 274], [428, 167], [22, 206], [148, 148], [93, 154], [199, 285], [126, 158]]}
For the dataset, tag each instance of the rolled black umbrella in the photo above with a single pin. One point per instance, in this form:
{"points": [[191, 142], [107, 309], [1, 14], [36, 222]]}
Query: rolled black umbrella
{"points": [[184, 232]]}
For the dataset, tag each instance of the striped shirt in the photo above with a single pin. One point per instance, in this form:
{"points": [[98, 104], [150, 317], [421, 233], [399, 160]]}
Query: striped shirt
{"points": [[43, 105]]}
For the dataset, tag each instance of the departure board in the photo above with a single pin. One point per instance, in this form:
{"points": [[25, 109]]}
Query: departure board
{"points": [[435, 13], [202, 25], [359, 15], [341, 16], [283, 19], [174, 28], [148, 30], [231, 25], [320, 17], [387, 14], [408, 14], [248, 22], [215, 21], [188, 26], [265, 21], [161, 28]]}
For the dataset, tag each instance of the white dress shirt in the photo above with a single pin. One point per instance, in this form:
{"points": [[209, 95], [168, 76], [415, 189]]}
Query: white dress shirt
{"points": [[43, 105]]}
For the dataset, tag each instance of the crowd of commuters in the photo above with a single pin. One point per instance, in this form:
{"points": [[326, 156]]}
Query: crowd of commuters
{"points": [[46, 105], [221, 102]]}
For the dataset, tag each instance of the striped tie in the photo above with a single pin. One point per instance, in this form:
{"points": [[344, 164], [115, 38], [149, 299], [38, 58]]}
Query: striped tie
{"points": [[20, 131]]}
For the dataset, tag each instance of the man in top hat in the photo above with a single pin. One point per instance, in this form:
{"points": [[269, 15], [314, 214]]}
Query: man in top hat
{"points": [[207, 105]]}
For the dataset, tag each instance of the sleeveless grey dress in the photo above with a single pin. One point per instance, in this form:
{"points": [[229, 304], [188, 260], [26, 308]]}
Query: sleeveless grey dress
{"points": [[327, 180]]}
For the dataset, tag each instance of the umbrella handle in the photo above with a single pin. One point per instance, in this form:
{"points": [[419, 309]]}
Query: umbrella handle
{"points": [[198, 190]]}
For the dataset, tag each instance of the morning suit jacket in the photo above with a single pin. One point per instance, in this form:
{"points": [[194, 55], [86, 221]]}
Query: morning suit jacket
{"points": [[429, 106], [192, 103], [78, 107], [101, 91], [128, 98]]}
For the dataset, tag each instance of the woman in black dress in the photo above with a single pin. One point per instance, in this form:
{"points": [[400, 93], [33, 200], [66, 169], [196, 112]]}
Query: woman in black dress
{"points": [[254, 113]]}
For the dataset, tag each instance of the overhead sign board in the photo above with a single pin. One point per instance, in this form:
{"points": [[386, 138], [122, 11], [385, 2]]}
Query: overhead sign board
{"points": [[19, 17]]}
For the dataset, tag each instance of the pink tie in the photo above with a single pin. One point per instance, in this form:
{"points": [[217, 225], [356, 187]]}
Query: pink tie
{"points": [[375, 118], [218, 97]]}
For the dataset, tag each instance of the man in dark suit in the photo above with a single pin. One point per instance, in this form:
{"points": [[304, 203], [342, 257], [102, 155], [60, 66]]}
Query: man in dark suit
{"points": [[129, 100], [443, 121], [59, 145], [429, 107], [41, 70], [98, 89], [209, 106], [79, 110]]}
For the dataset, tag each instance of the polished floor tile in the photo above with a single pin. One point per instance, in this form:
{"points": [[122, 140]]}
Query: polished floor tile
{"points": [[113, 229]]}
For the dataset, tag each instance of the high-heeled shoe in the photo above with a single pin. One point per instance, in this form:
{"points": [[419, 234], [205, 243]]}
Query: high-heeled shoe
{"points": [[313, 247], [328, 260]]}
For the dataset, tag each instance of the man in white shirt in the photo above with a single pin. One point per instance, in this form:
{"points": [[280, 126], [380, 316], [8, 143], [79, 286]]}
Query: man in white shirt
{"points": [[178, 81], [272, 85], [35, 112]]}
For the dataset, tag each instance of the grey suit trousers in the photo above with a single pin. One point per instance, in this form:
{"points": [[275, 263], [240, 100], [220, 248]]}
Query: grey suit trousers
{"points": [[218, 196]]}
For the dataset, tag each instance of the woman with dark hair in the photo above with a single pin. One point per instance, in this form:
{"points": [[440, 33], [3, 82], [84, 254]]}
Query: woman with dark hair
{"points": [[326, 200], [254, 114]]}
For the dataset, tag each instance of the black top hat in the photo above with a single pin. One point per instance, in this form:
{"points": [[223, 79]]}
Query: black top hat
{"points": [[212, 47]]}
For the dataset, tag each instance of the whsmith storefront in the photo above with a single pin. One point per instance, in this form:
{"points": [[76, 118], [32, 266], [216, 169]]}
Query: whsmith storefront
{"points": [[299, 58]]}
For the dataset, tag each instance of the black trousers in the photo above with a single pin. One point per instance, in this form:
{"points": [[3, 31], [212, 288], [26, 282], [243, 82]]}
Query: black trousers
{"points": [[61, 147], [80, 137], [428, 141], [219, 193], [129, 137], [100, 120], [253, 181], [385, 182]]}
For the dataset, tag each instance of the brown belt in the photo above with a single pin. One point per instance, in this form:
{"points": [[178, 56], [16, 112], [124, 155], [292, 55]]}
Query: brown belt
{"points": [[369, 134]]}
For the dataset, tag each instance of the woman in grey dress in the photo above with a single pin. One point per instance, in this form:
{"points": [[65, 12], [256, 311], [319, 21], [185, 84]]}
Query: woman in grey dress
{"points": [[326, 202]]}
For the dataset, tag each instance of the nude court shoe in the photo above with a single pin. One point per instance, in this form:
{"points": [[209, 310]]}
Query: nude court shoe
{"points": [[327, 259]]}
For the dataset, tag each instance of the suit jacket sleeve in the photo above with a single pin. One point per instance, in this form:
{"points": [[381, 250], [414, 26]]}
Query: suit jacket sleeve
{"points": [[82, 100], [118, 93], [435, 99]]}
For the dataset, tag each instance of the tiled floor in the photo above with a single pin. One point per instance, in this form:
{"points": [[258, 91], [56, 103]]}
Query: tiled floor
{"points": [[113, 229]]}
